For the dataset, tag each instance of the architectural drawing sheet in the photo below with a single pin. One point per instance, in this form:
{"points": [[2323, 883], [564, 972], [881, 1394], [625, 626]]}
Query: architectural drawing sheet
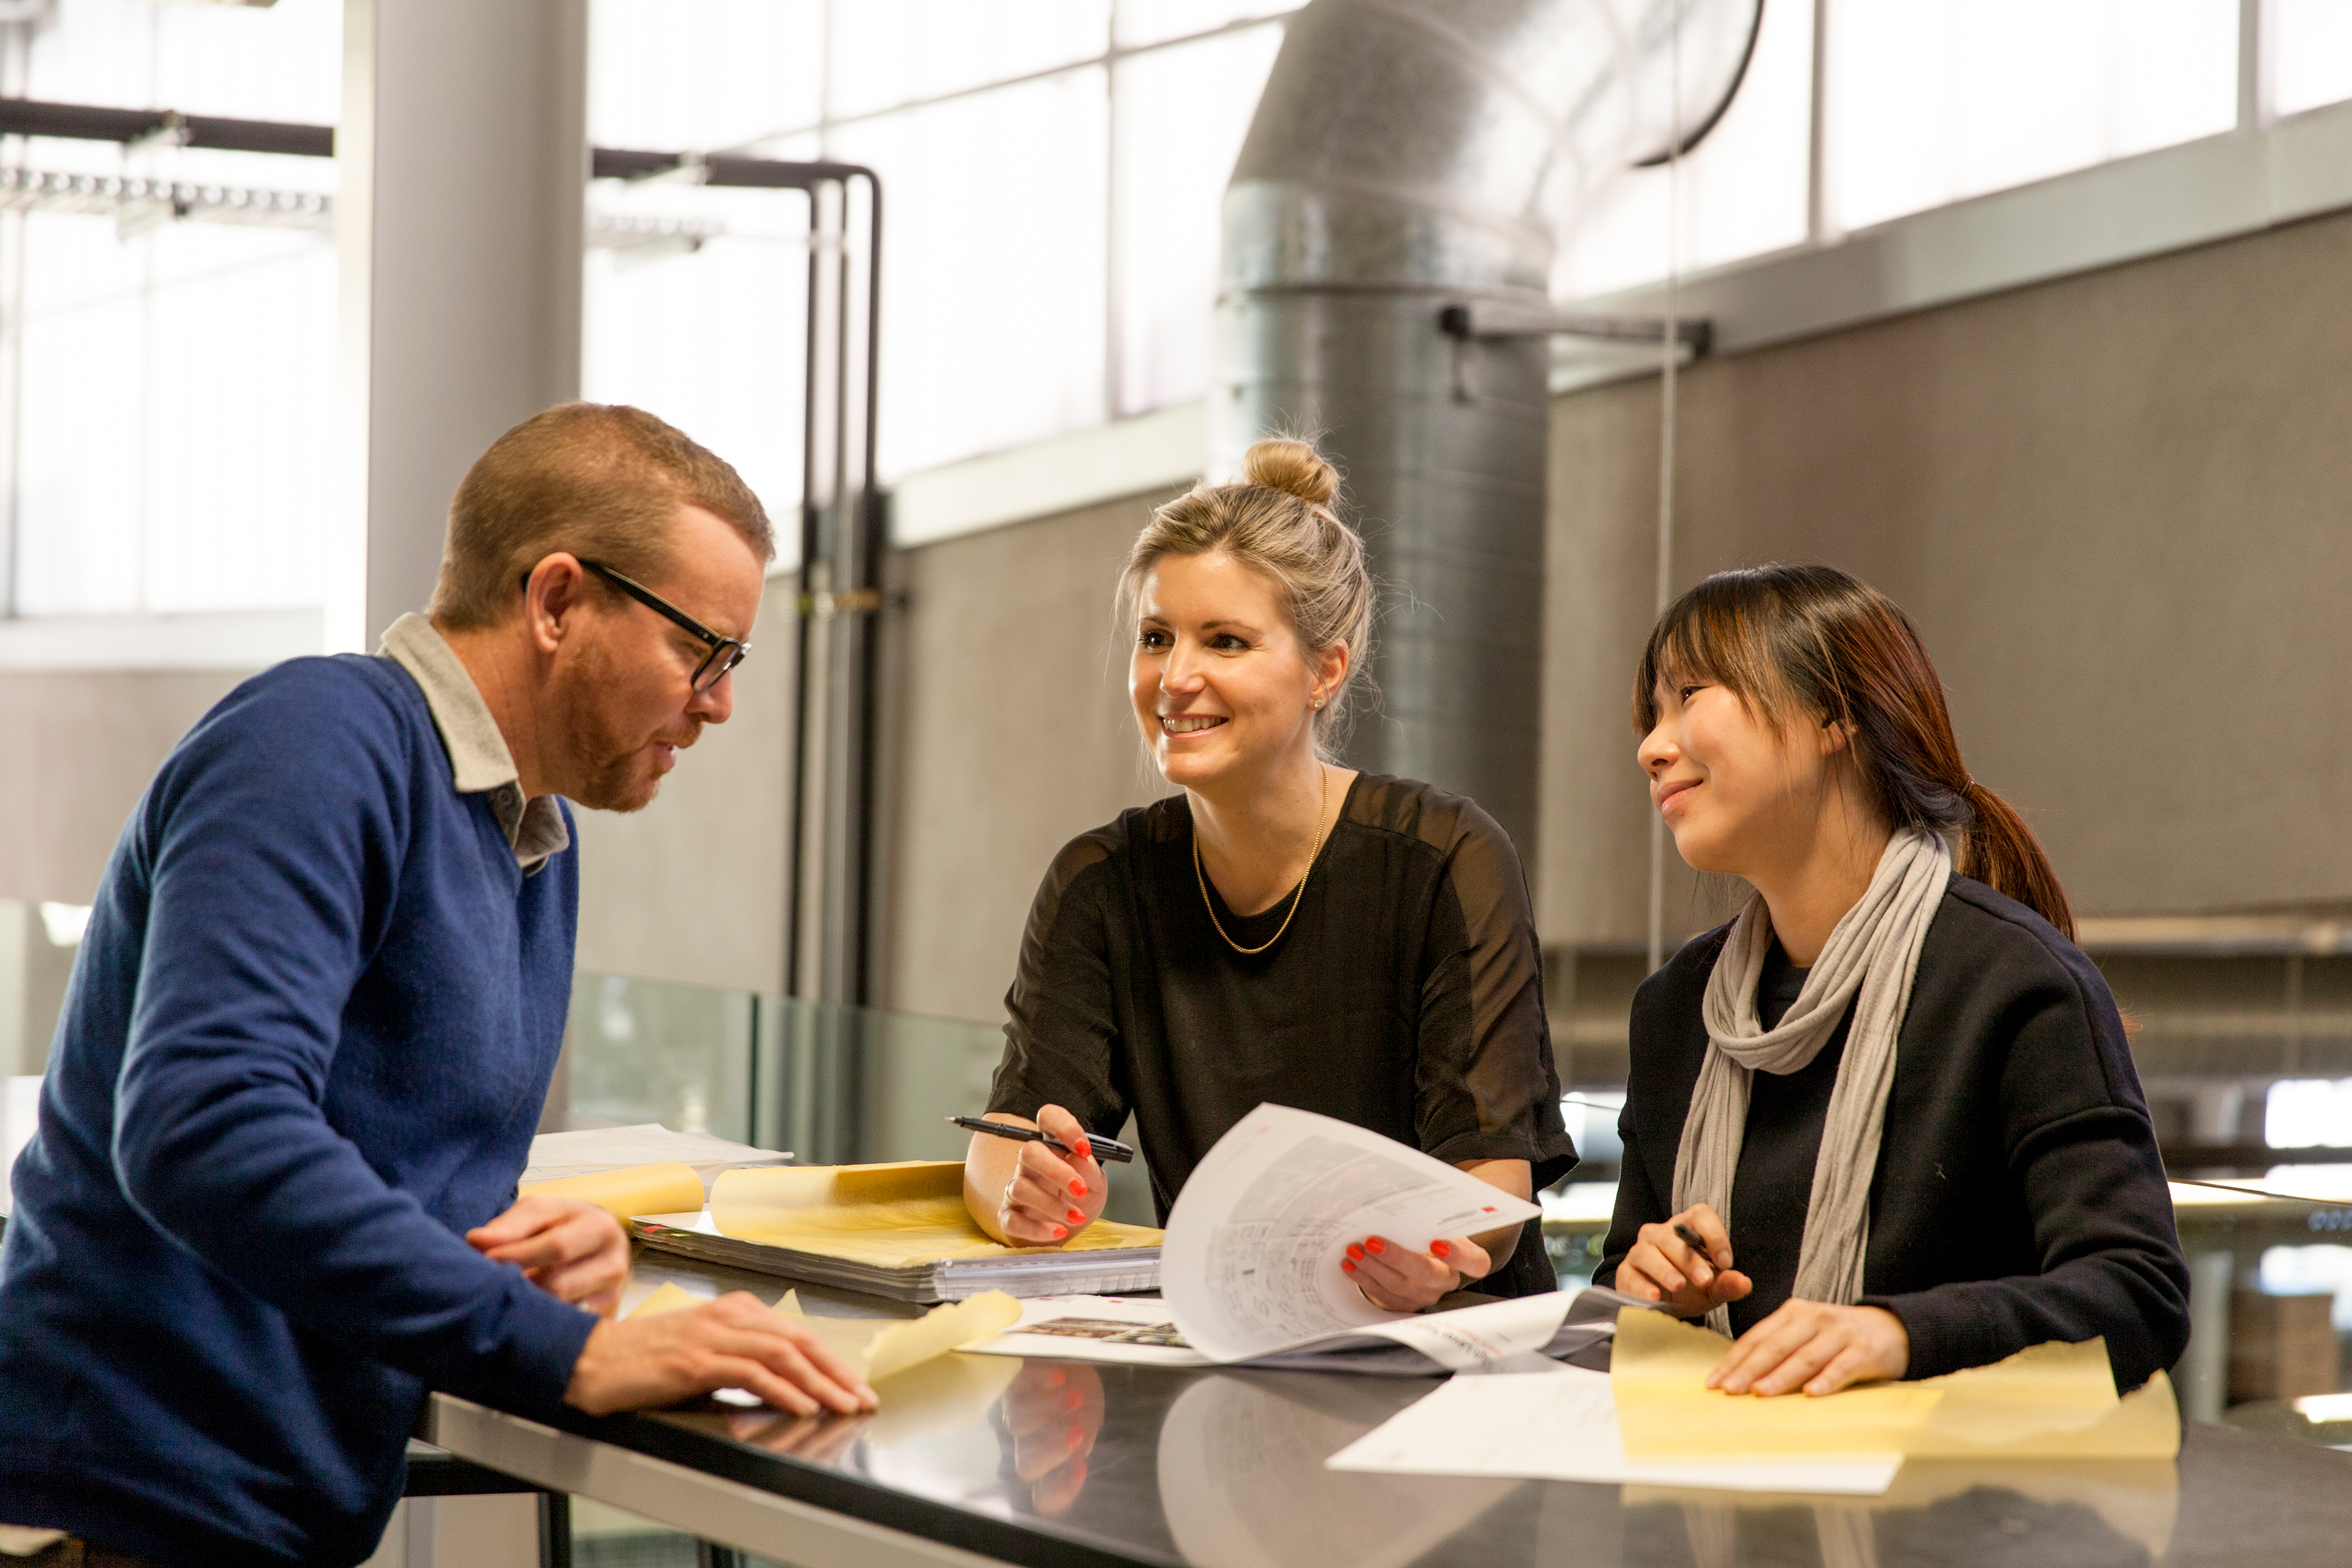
{"points": [[1250, 1266], [1251, 1261]]}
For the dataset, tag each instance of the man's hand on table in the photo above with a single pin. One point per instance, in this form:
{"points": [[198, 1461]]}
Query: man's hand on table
{"points": [[574, 1251], [736, 1342]]}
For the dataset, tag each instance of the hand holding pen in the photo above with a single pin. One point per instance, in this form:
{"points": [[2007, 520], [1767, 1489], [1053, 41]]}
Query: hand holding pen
{"points": [[1047, 1195], [1685, 1262]]}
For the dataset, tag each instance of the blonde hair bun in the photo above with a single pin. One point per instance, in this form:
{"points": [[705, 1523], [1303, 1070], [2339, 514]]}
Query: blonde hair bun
{"points": [[1292, 467]]}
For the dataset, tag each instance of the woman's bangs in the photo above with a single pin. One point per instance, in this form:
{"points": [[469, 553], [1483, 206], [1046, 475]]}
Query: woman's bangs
{"points": [[1708, 637]]}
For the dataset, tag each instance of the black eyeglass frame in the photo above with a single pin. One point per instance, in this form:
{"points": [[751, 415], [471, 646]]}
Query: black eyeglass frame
{"points": [[716, 665]]}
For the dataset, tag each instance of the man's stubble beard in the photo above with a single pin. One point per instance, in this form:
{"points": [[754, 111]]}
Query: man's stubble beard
{"points": [[608, 761]]}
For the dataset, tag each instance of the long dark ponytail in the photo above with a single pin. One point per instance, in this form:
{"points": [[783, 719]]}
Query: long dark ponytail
{"points": [[1816, 641]]}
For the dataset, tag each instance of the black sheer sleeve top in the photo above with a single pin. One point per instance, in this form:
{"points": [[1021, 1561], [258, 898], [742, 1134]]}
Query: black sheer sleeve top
{"points": [[1406, 995]]}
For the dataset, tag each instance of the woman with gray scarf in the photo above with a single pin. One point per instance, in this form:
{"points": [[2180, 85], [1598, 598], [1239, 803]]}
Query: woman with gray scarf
{"points": [[1885, 1123]]}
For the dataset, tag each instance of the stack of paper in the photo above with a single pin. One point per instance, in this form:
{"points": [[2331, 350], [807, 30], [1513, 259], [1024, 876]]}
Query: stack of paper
{"points": [[899, 1230], [1522, 1333], [559, 1156]]}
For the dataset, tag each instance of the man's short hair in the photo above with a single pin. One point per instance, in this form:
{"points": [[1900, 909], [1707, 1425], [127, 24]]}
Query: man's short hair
{"points": [[600, 480]]}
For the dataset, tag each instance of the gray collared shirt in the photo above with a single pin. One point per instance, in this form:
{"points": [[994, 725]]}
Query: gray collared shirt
{"points": [[478, 758]]}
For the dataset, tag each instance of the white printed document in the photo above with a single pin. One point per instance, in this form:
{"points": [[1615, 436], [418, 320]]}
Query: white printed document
{"points": [[1561, 1425], [1249, 1265]]}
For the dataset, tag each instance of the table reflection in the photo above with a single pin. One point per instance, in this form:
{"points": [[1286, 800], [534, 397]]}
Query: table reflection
{"points": [[2095, 1514], [1243, 1484], [1052, 1412]]}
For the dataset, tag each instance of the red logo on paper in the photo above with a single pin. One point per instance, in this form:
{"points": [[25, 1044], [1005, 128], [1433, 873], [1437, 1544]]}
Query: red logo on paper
{"points": [[1488, 1209]]}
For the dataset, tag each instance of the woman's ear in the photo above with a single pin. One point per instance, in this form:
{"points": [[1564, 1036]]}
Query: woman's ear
{"points": [[1835, 737], [1331, 670]]}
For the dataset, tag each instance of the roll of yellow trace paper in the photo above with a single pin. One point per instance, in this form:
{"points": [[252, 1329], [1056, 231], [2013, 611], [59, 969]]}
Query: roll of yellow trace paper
{"points": [[669, 1189], [670, 1298], [879, 1347]]}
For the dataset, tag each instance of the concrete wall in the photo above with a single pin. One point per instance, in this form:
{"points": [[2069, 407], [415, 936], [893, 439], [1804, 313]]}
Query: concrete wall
{"points": [[1009, 736], [2116, 506], [81, 746], [692, 888]]}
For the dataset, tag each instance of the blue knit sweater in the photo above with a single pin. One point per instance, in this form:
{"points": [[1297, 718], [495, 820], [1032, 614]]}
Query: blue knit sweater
{"points": [[304, 1049]]}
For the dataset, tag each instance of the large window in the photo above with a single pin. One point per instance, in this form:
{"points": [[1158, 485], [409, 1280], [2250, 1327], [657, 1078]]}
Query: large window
{"points": [[1934, 100], [1858, 112], [165, 385], [1053, 170]]}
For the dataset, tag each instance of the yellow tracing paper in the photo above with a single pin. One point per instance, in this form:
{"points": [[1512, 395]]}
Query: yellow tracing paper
{"points": [[879, 1348], [668, 1299], [671, 1187], [2051, 1401], [888, 1216], [882, 1347]]}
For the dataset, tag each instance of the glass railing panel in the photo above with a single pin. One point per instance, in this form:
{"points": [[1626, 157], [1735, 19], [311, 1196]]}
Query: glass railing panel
{"points": [[649, 1050]]}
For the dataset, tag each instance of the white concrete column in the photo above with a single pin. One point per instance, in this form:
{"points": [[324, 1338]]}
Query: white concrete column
{"points": [[463, 154]]}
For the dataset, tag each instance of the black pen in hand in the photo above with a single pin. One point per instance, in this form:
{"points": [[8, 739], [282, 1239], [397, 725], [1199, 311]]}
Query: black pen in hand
{"points": [[1109, 1149], [1696, 1242]]}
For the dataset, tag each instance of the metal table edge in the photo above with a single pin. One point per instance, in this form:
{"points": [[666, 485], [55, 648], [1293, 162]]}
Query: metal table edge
{"points": [[1033, 1543]]}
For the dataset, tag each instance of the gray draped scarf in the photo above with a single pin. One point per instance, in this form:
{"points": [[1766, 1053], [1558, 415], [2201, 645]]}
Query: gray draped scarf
{"points": [[1873, 955]]}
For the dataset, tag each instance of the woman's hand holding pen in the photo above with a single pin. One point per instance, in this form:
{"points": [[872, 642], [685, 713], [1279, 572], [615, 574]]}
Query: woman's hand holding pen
{"points": [[1398, 1280], [1686, 1263], [1052, 1196]]}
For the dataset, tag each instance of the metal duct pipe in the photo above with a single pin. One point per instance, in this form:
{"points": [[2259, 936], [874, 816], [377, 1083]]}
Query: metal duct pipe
{"points": [[1407, 155]]}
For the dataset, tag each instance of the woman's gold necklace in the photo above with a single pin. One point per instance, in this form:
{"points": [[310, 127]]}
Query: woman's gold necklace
{"points": [[1298, 894]]}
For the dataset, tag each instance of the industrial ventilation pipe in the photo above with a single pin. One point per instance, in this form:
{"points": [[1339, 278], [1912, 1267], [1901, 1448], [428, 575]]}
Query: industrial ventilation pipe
{"points": [[1408, 155]]}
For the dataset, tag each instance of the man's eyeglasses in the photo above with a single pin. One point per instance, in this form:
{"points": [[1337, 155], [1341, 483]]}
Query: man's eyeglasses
{"points": [[725, 653]]}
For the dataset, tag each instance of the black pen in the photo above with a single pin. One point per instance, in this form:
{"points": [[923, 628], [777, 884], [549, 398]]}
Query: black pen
{"points": [[1696, 1242], [1109, 1149]]}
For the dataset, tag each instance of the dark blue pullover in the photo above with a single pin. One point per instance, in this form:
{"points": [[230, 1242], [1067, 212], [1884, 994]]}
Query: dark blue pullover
{"points": [[304, 1049]]}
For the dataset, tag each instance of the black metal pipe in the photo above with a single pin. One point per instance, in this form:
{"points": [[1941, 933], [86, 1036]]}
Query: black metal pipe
{"points": [[82, 123], [795, 880], [873, 540], [92, 123]]}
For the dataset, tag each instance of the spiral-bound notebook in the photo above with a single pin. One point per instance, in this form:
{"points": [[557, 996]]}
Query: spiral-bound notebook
{"points": [[896, 1230]]}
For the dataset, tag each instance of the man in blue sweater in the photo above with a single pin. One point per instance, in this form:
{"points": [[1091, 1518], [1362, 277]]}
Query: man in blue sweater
{"points": [[310, 1028]]}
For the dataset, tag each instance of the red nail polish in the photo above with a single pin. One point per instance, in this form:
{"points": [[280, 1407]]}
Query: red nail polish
{"points": [[1440, 1249], [1056, 1377], [1060, 1231], [1077, 1436], [1347, 1266], [1079, 1188], [1354, 1251], [1376, 1246], [1073, 1400], [1077, 1216]]}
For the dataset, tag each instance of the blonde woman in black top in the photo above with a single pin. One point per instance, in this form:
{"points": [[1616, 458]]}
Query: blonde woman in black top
{"points": [[1891, 1101], [1285, 930]]}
